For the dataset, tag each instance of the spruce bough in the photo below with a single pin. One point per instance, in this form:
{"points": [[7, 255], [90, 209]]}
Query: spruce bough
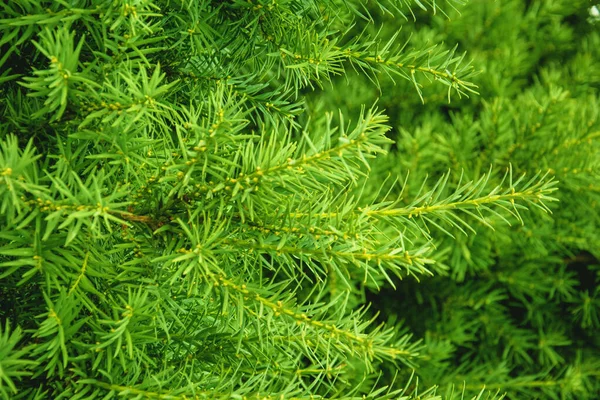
{"points": [[188, 211]]}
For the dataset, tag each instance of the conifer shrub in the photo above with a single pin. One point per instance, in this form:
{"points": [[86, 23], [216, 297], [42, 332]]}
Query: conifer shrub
{"points": [[299, 199]]}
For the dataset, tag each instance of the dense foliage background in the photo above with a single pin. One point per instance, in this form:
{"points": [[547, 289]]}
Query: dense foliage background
{"points": [[518, 310], [299, 199]]}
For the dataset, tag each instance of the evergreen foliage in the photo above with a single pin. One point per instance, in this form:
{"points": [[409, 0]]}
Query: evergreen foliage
{"points": [[275, 199]]}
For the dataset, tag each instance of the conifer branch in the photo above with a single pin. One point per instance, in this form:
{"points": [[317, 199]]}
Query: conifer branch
{"points": [[418, 62], [402, 7], [368, 346], [471, 195], [368, 55], [399, 260]]}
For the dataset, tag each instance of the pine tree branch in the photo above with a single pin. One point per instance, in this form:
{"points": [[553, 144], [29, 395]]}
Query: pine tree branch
{"points": [[466, 197], [370, 346]]}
